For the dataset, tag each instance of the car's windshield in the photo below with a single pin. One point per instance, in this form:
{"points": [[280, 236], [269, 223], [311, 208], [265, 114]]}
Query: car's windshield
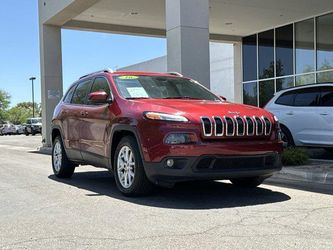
{"points": [[34, 120], [161, 87]]}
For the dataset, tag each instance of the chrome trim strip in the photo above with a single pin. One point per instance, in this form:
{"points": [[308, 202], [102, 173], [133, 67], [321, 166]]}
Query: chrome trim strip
{"points": [[203, 125], [257, 127], [247, 126], [226, 126], [215, 128]]}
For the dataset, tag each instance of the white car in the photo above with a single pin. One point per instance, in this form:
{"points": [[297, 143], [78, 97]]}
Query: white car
{"points": [[305, 114], [8, 129]]}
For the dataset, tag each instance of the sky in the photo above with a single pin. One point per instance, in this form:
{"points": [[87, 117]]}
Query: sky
{"points": [[83, 52]]}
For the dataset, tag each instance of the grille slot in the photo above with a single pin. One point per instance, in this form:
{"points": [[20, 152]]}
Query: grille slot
{"points": [[219, 126], [207, 126], [259, 125], [250, 128], [240, 126], [268, 125], [230, 126]]}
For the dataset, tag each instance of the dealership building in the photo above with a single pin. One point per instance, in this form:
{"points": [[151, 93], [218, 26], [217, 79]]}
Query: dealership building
{"points": [[244, 50]]}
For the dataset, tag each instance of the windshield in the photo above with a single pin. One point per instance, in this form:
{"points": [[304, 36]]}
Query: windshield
{"points": [[34, 120], [161, 87]]}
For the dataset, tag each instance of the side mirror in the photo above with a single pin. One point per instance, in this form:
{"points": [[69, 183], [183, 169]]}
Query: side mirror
{"points": [[99, 97], [223, 98]]}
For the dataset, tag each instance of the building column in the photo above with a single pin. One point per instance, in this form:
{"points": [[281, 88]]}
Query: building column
{"points": [[51, 76], [187, 30], [238, 73]]}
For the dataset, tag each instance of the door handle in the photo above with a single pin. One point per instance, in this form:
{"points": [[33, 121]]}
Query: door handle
{"points": [[290, 113], [324, 113]]}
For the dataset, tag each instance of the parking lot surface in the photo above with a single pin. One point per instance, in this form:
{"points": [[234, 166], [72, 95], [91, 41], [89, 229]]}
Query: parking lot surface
{"points": [[38, 211]]}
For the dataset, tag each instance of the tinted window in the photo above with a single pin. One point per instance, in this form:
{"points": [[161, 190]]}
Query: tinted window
{"points": [[250, 58], [69, 95], [307, 97], [286, 98], [266, 54], [326, 96], [284, 50], [304, 46], [325, 42], [266, 92], [101, 84], [250, 95], [81, 92]]}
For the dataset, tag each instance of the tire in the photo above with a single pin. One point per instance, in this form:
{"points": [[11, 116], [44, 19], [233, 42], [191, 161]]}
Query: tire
{"points": [[61, 165], [249, 182], [287, 137], [129, 173]]}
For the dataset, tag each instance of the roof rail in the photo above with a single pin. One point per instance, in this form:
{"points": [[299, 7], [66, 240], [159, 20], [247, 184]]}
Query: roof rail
{"points": [[175, 74], [108, 70]]}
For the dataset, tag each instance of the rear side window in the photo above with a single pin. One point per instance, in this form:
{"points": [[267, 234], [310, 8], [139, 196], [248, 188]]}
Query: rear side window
{"points": [[80, 94], [326, 98], [307, 97], [286, 99], [69, 95]]}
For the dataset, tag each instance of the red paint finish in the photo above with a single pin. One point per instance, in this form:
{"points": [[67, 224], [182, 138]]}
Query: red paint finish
{"points": [[89, 128]]}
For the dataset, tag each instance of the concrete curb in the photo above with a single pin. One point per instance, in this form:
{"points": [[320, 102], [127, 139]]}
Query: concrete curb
{"points": [[44, 150]]}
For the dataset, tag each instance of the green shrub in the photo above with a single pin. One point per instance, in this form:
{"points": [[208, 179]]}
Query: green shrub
{"points": [[294, 157]]}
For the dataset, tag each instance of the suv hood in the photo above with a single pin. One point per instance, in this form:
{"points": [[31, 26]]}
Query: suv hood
{"points": [[194, 109]]}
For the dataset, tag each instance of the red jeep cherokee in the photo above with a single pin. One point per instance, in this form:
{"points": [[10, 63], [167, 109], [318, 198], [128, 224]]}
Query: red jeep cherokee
{"points": [[150, 128]]}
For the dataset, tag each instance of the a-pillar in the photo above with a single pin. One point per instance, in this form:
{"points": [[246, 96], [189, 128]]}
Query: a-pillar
{"points": [[187, 30], [51, 76]]}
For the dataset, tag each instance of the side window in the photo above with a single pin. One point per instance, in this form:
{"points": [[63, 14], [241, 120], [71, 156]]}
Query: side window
{"points": [[100, 84], [286, 99], [69, 94], [81, 92], [307, 97], [326, 97]]}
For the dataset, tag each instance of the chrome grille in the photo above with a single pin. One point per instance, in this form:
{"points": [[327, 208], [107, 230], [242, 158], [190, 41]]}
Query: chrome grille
{"points": [[217, 126]]}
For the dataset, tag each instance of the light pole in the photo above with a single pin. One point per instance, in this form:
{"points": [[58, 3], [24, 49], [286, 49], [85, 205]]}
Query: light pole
{"points": [[33, 97]]}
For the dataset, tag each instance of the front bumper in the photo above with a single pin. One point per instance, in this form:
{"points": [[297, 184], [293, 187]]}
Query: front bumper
{"points": [[212, 167]]}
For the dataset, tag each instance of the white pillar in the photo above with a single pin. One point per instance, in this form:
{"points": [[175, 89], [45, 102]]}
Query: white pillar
{"points": [[238, 73], [187, 28], [51, 75]]}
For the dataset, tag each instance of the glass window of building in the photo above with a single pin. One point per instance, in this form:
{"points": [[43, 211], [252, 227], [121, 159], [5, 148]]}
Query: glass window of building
{"points": [[284, 83], [304, 46], [266, 92], [250, 95], [325, 42], [305, 79], [326, 76], [250, 58], [266, 54], [284, 50]]}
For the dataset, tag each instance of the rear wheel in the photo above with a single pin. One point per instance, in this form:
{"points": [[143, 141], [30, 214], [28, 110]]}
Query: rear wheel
{"points": [[249, 182], [62, 166], [287, 138], [129, 172]]}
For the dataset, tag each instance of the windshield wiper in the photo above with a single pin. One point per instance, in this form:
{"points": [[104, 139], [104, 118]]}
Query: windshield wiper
{"points": [[181, 97]]}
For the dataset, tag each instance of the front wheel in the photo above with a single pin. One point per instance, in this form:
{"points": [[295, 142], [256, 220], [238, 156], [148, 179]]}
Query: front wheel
{"points": [[129, 172], [249, 182], [62, 166]]}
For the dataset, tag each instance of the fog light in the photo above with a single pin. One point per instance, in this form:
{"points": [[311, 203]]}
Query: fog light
{"points": [[170, 163], [180, 138]]}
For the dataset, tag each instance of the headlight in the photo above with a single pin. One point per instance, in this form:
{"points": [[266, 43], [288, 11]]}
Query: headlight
{"points": [[164, 117]]}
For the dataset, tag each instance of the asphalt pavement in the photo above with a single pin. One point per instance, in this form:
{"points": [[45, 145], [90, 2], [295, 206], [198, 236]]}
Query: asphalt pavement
{"points": [[39, 211]]}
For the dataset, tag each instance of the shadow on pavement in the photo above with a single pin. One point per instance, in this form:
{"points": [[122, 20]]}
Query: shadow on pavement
{"points": [[192, 195]]}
